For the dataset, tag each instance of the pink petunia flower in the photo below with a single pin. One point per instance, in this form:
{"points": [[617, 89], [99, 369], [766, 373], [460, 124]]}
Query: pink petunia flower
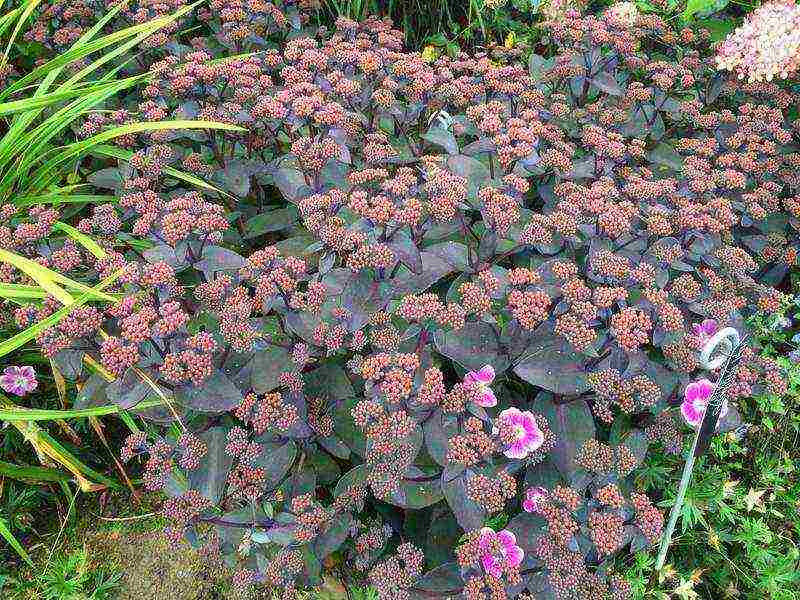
{"points": [[695, 401], [482, 379], [526, 435], [499, 551], [533, 498], [18, 380]]}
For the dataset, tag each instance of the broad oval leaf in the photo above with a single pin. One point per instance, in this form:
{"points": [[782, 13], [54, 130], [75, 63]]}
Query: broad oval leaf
{"points": [[444, 579], [473, 346], [573, 425], [217, 394], [209, 478], [551, 364], [333, 537], [268, 364], [469, 514], [276, 460]]}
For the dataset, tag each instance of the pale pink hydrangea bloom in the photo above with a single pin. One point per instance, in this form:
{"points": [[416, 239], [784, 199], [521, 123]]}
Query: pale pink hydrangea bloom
{"points": [[623, 14], [533, 498], [527, 435], [18, 380], [767, 45], [695, 401], [510, 555], [482, 379]]}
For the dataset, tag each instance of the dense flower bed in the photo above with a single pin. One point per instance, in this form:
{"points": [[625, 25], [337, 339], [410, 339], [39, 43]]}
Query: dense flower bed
{"points": [[429, 316]]}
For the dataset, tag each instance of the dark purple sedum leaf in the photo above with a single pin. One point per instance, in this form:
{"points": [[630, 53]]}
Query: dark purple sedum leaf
{"points": [[438, 430], [217, 258], [527, 528], [443, 581], [473, 346], [333, 537], [442, 137], [267, 366], [573, 425], [276, 459], [217, 394], [468, 513], [551, 364], [209, 478], [407, 252], [417, 490], [354, 478]]}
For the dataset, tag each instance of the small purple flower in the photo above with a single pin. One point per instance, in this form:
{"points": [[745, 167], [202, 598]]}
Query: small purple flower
{"points": [[781, 323], [18, 380], [704, 330], [533, 497], [527, 437], [499, 551], [695, 401], [794, 356], [482, 379]]}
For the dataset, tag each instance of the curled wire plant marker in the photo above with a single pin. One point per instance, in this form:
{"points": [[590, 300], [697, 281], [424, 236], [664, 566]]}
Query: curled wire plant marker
{"points": [[719, 347], [442, 118], [722, 351]]}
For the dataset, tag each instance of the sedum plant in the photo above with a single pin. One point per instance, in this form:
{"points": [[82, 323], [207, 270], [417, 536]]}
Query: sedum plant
{"points": [[423, 317]]}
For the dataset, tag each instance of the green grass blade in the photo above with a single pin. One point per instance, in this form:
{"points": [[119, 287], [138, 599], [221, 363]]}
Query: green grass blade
{"points": [[25, 146], [80, 50], [105, 151], [57, 198], [14, 291], [32, 474], [78, 149], [44, 100], [8, 19], [12, 541], [30, 6], [34, 414]]}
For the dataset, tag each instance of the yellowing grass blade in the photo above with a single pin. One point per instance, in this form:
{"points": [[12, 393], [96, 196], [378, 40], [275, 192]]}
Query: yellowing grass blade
{"points": [[31, 332], [83, 239], [41, 275], [50, 450], [49, 279]]}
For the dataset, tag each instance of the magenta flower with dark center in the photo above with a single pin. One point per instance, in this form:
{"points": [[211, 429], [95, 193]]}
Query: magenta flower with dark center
{"points": [[18, 380], [695, 401], [705, 329], [482, 379], [499, 551], [533, 498], [527, 437]]}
